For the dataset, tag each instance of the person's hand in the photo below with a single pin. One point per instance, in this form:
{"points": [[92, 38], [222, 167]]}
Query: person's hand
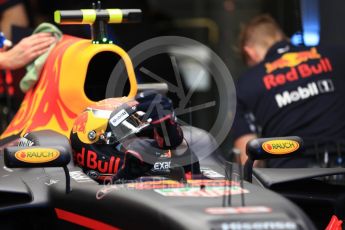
{"points": [[156, 106], [27, 50]]}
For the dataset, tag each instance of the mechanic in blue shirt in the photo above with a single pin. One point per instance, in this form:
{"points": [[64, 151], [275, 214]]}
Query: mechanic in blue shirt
{"points": [[290, 91]]}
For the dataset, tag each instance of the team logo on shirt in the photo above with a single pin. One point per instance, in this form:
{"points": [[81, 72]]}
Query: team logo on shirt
{"points": [[294, 66], [304, 92], [292, 59], [280, 146]]}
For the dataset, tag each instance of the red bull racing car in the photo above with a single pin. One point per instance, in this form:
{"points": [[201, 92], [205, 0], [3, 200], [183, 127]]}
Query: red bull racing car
{"points": [[41, 187]]}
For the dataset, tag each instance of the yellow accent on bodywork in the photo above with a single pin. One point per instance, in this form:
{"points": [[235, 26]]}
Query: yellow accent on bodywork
{"points": [[93, 123], [72, 73], [57, 17], [115, 15], [89, 16]]}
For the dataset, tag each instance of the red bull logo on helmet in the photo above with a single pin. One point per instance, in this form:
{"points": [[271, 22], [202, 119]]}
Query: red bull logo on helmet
{"points": [[89, 159]]}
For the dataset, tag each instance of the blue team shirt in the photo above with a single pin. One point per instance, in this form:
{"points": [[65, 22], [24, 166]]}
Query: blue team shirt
{"points": [[294, 91]]}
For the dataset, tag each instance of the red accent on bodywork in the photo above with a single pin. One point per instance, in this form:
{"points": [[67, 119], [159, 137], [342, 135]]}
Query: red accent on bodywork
{"points": [[334, 224], [83, 220]]}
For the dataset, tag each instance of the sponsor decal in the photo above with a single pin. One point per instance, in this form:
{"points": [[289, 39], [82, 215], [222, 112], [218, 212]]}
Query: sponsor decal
{"points": [[257, 225], [301, 93], [37, 155], [210, 173], [161, 166], [161, 184], [89, 159], [301, 71], [280, 146], [80, 177], [238, 210], [119, 117], [292, 59], [201, 192]]}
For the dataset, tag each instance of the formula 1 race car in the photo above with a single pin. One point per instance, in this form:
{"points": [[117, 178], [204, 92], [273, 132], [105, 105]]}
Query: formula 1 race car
{"points": [[43, 198], [42, 189]]}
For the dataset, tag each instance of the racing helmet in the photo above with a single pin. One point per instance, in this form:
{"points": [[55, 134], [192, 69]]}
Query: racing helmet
{"points": [[98, 132]]}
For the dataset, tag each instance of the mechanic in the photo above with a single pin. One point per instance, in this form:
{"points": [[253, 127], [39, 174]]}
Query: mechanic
{"points": [[289, 91], [13, 13], [157, 148]]}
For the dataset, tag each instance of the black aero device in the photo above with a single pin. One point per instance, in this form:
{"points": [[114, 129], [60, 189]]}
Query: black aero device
{"points": [[268, 148], [37, 157]]}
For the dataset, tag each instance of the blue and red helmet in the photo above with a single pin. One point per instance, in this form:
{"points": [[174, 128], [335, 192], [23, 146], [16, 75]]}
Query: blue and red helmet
{"points": [[98, 132]]}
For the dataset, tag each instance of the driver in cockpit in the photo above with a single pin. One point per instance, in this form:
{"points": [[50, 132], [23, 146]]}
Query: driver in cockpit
{"points": [[123, 139]]}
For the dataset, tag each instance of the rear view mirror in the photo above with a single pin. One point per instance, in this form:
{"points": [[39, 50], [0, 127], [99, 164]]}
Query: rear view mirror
{"points": [[37, 157], [268, 148]]}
